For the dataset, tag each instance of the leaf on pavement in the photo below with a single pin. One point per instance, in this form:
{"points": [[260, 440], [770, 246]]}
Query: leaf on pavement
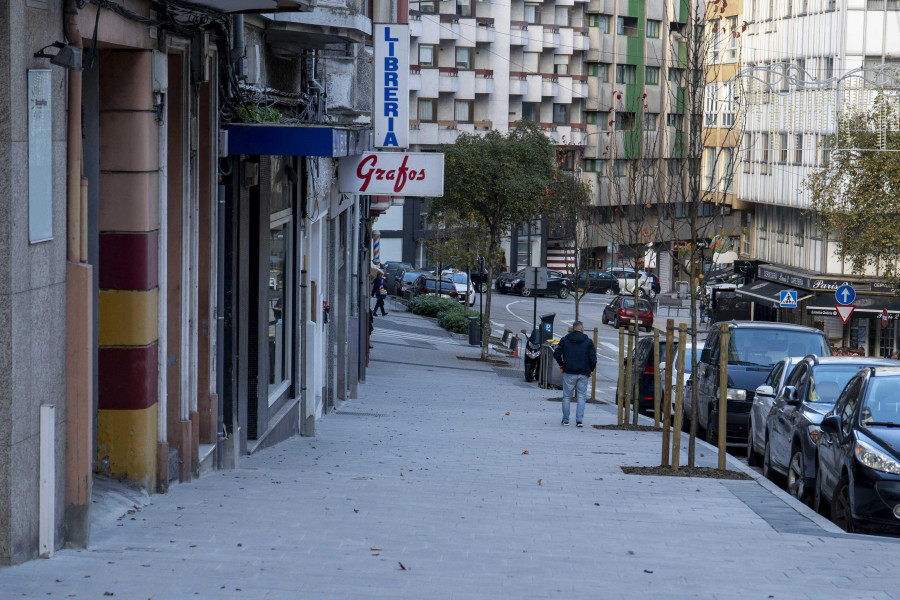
{"points": [[525, 452], [507, 413], [375, 549], [401, 566], [539, 482]]}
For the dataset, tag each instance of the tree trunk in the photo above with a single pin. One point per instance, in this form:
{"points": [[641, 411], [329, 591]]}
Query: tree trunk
{"points": [[486, 318]]}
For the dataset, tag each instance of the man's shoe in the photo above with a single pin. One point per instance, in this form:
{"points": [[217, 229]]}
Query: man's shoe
{"points": [[578, 424], [564, 422], [384, 314]]}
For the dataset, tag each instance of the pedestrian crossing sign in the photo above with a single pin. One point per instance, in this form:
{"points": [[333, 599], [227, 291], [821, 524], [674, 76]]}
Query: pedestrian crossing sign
{"points": [[788, 299]]}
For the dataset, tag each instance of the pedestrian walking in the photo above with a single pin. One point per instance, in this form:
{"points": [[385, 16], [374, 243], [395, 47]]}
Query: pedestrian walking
{"points": [[577, 359], [380, 293]]}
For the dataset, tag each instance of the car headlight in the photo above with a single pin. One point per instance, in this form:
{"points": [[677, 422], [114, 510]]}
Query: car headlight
{"points": [[735, 394], [516, 281], [874, 458], [813, 431]]}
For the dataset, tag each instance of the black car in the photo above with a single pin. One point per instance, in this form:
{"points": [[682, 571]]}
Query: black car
{"points": [[858, 454], [599, 282], [514, 283], [405, 279], [426, 284], [643, 372], [393, 271], [792, 425], [480, 280], [753, 349]]}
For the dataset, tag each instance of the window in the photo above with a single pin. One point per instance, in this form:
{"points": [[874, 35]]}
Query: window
{"points": [[599, 21], [561, 64], [427, 110], [728, 175], [428, 6], [561, 114], [880, 4], [651, 75], [733, 34], [627, 26], [651, 121], [463, 111], [532, 13], [531, 111], [595, 165], [427, 55], [764, 153], [464, 8], [649, 168], [728, 105], [674, 120], [709, 168], [798, 149], [590, 165], [463, 58], [675, 76], [783, 147], [715, 40], [710, 105], [531, 62], [620, 168], [626, 74], [828, 67], [653, 28], [599, 70], [561, 16], [624, 121], [745, 145], [278, 330]]}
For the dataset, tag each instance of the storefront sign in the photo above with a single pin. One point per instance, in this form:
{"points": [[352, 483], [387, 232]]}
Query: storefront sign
{"points": [[40, 156], [393, 174], [391, 107], [806, 282]]}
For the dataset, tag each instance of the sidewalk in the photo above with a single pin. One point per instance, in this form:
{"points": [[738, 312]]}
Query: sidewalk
{"points": [[429, 468]]}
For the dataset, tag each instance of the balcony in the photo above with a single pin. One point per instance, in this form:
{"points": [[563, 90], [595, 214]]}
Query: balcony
{"points": [[449, 27], [579, 86], [564, 89], [518, 33], [551, 37], [601, 47], [291, 31], [607, 7], [549, 85], [581, 40], [259, 6], [449, 79], [535, 38], [535, 88], [415, 78], [466, 89], [429, 82], [484, 81], [415, 24], [518, 84], [467, 33]]}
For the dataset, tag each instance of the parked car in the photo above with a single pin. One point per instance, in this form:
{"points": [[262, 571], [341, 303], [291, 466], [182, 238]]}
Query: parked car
{"points": [[620, 312], [654, 283], [688, 368], [753, 349], [428, 284], [514, 283], [463, 287], [406, 279], [629, 278], [643, 372], [392, 273], [792, 426], [599, 282], [858, 453], [763, 399]]}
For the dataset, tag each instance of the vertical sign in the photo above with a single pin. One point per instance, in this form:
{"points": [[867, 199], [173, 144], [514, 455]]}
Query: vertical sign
{"points": [[40, 163], [391, 86]]}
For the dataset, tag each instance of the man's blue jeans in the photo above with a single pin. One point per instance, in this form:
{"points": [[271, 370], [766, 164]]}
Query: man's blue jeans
{"points": [[579, 383]]}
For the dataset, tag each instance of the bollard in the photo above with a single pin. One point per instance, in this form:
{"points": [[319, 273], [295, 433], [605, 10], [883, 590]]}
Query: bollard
{"points": [[629, 368], [594, 372], [722, 433], [679, 398], [620, 387], [667, 394], [656, 378]]}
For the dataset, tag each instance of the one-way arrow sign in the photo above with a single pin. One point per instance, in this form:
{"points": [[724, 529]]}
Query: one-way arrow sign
{"points": [[844, 311]]}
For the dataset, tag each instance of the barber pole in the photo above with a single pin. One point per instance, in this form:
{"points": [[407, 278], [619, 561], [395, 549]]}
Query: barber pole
{"points": [[376, 246]]}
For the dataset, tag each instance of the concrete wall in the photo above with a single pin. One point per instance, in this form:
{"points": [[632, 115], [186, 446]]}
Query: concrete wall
{"points": [[32, 284]]}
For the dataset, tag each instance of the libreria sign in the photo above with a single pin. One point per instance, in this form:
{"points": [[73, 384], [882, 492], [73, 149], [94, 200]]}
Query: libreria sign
{"points": [[391, 86]]}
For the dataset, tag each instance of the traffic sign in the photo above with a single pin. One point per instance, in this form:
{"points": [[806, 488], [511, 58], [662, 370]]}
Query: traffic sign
{"points": [[884, 318], [844, 311], [845, 294], [788, 298]]}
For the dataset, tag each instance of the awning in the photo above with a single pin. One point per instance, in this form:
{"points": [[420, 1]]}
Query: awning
{"points": [[768, 293], [276, 139], [823, 305], [258, 6]]}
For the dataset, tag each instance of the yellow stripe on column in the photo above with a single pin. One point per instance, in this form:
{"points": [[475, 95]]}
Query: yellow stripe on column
{"points": [[126, 444], [128, 318]]}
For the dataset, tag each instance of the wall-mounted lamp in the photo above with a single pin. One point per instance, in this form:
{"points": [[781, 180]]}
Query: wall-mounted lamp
{"points": [[68, 57]]}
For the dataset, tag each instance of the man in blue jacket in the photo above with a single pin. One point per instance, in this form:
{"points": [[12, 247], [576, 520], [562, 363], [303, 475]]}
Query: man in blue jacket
{"points": [[577, 359]]}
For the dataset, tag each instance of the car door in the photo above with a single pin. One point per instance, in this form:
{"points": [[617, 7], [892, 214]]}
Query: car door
{"points": [[830, 445], [705, 380], [611, 309], [782, 416], [763, 404]]}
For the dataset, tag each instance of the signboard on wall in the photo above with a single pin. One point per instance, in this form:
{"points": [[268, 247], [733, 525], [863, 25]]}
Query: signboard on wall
{"points": [[40, 157], [393, 174], [391, 102]]}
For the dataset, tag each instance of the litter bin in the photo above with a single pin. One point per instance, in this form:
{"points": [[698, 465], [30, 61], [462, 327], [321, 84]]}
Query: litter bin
{"points": [[547, 326], [474, 331]]}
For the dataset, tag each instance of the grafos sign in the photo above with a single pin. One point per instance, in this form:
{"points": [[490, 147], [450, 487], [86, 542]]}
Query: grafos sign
{"points": [[391, 86], [393, 174]]}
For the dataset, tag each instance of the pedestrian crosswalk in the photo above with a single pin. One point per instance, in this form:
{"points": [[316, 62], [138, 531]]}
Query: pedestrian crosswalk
{"points": [[414, 337]]}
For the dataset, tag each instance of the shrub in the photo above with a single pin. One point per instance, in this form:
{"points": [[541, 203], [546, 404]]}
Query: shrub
{"points": [[431, 306], [456, 319]]}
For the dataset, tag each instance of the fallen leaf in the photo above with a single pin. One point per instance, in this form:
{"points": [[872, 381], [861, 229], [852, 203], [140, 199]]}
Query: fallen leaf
{"points": [[526, 452], [701, 455], [539, 482], [646, 571], [596, 504], [375, 549], [507, 414], [401, 565], [356, 510]]}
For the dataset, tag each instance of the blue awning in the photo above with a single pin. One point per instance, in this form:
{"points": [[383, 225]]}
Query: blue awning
{"points": [[275, 139]]}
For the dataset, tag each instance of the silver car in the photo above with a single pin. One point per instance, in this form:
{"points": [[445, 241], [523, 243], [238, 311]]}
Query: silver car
{"points": [[762, 404]]}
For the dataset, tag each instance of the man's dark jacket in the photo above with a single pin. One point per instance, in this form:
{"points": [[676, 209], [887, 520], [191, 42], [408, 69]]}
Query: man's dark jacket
{"points": [[576, 354]]}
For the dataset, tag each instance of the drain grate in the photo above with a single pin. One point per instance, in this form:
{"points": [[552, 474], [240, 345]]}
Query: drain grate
{"points": [[351, 413]]}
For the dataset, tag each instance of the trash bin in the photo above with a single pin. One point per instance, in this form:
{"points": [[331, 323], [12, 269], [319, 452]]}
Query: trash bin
{"points": [[474, 331], [547, 326]]}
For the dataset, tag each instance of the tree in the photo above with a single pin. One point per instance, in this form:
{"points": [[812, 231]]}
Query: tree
{"points": [[857, 194], [493, 182]]}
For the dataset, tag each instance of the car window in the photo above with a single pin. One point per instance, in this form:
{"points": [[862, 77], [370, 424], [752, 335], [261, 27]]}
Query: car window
{"points": [[775, 375], [827, 381], [713, 343], [849, 400], [797, 376], [768, 346], [882, 402], [459, 278]]}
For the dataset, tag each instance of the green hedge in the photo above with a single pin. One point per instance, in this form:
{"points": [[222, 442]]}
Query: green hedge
{"points": [[450, 313], [456, 319]]}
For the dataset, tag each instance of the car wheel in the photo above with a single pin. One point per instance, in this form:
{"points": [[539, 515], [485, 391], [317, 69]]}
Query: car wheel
{"points": [[642, 293], [796, 486], [617, 325], [563, 293], [685, 420], [820, 505], [841, 509], [483, 287], [768, 471], [526, 292], [651, 294], [753, 458], [530, 371], [604, 319]]}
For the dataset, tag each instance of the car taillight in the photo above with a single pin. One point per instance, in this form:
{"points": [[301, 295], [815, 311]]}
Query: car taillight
{"points": [[651, 314], [454, 295], [649, 370], [622, 311]]}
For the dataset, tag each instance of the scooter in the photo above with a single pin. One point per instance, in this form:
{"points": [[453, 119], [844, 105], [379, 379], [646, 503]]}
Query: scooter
{"points": [[532, 354]]}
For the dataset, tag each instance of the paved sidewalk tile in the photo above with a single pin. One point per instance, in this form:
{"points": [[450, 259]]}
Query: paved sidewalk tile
{"points": [[427, 470]]}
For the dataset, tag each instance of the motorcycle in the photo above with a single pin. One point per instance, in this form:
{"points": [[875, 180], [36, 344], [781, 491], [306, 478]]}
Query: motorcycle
{"points": [[532, 354]]}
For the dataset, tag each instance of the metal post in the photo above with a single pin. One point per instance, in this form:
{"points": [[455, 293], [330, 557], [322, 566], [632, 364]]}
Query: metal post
{"points": [[620, 384], [679, 398], [534, 293], [594, 372], [723, 394], [629, 367], [656, 378], [667, 393]]}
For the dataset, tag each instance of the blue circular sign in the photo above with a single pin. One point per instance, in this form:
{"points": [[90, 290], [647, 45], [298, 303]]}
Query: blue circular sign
{"points": [[845, 294]]}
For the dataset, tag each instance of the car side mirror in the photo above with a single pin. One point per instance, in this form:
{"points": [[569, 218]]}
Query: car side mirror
{"points": [[765, 390], [705, 356], [831, 424], [790, 395]]}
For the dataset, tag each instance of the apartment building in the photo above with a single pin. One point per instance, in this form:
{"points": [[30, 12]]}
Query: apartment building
{"points": [[786, 124]]}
